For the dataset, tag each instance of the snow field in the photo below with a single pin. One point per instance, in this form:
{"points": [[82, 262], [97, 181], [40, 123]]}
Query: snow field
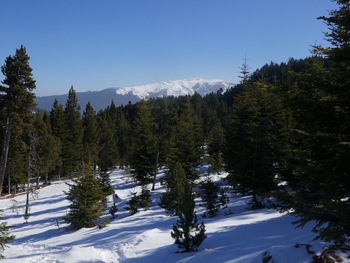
{"points": [[241, 236]]}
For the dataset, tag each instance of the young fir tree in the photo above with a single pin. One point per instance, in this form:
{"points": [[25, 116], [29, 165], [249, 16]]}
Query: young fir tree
{"points": [[210, 197], [145, 198], [176, 182], [144, 145], [108, 154], [216, 145], [113, 210], [87, 202], [5, 236], [133, 204], [186, 145], [106, 183], [16, 98], [90, 138], [72, 146], [59, 131], [123, 132], [188, 234]]}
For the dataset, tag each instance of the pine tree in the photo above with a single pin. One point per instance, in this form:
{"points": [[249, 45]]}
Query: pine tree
{"points": [[59, 131], [162, 117], [106, 184], [108, 154], [113, 210], [133, 204], [72, 146], [176, 182], [254, 139], [5, 236], [216, 145], [188, 234], [123, 133], [16, 97], [145, 198], [186, 145], [144, 145], [87, 202], [90, 138], [318, 177], [210, 197], [17, 164]]}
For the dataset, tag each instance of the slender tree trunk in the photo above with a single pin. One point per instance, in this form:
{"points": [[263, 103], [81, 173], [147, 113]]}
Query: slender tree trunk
{"points": [[26, 213], [30, 159], [37, 181], [156, 164], [9, 182], [4, 151]]}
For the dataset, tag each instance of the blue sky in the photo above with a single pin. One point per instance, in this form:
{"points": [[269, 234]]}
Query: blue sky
{"points": [[94, 45]]}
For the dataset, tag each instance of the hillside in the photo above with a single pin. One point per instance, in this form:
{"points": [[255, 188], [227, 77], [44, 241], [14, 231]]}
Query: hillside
{"points": [[235, 235], [124, 95]]}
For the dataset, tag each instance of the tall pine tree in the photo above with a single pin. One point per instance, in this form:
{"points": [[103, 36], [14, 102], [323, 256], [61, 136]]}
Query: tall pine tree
{"points": [[72, 146], [144, 145], [16, 97]]}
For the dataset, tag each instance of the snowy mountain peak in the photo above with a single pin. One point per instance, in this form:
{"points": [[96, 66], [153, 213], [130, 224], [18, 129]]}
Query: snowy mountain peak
{"points": [[124, 95], [174, 88]]}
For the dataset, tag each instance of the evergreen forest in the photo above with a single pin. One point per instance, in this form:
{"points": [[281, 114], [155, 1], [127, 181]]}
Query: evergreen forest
{"points": [[282, 134]]}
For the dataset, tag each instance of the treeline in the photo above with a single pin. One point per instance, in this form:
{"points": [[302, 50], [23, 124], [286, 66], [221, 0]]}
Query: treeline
{"points": [[282, 134]]}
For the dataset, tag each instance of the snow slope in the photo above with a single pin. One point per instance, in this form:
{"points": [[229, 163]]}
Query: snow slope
{"points": [[240, 236]]}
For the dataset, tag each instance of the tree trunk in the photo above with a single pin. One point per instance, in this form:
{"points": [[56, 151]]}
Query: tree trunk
{"points": [[29, 171], [9, 183], [26, 213], [4, 151], [156, 164]]}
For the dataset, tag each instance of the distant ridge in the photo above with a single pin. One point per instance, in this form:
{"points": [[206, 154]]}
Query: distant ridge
{"points": [[121, 96]]}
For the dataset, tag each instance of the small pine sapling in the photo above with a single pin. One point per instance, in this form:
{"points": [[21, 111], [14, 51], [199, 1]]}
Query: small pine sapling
{"points": [[188, 234], [223, 198], [5, 237], [209, 194], [113, 210], [133, 204], [145, 199]]}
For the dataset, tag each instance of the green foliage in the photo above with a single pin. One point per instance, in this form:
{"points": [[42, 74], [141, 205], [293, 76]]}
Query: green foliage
{"points": [[223, 198], [133, 204], [16, 100], [113, 210], [144, 145], [139, 201], [72, 146], [210, 197], [5, 236], [87, 202], [108, 154], [216, 145], [176, 182], [186, 145], [145, 199], [188, 234], [106, 183], [318, 175], [91, 136], [254, 140]]}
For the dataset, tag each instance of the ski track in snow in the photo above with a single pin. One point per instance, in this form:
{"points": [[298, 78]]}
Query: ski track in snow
{"points": [[235, 235]]}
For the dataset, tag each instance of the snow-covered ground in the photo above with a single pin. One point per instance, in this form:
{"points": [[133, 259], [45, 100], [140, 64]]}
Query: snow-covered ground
{"points": [[235, 235]]}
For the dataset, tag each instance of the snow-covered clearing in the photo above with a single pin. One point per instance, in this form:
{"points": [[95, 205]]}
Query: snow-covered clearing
{"points": [[240, 236]]}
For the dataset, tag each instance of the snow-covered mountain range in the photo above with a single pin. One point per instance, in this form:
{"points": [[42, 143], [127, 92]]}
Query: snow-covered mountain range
{"points": [[124, 95]]}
